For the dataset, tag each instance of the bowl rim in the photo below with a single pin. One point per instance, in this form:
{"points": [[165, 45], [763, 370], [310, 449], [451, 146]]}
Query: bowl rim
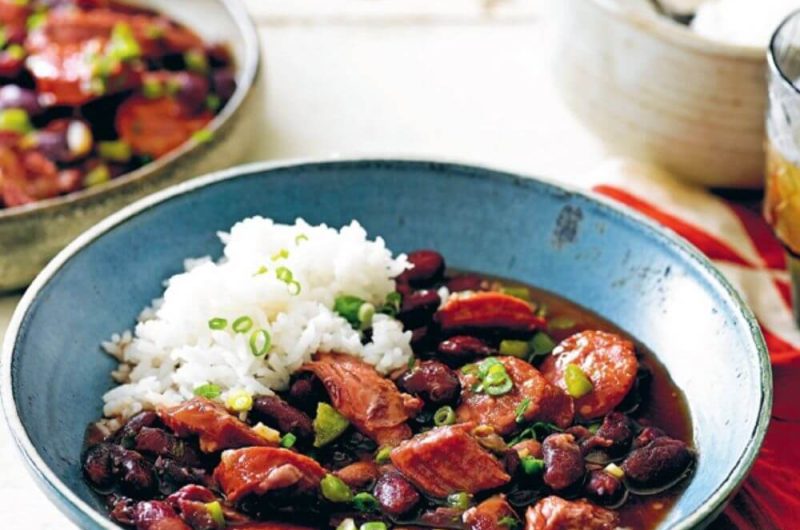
{"points": [[680, 35], [81, 512], [249, 64], [772, 61]]}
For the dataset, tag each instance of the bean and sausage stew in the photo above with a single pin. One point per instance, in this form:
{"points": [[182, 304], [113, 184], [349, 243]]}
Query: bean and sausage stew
{"points": [[518, 410], [93, 89]]}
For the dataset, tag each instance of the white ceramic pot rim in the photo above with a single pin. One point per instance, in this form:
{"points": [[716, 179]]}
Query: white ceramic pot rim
{"points": [[679, 35], [249, 65]]}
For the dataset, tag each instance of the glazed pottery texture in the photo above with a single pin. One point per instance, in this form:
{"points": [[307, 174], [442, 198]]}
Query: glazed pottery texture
{"points": [[30, 235], [653, 285], [654, 90]]}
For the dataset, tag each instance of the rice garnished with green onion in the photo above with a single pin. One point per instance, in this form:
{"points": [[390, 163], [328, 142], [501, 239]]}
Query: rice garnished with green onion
{"points": [[246, 322]]}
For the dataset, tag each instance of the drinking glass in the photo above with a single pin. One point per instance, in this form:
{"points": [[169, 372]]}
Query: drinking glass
{"points": [[782, 194]]}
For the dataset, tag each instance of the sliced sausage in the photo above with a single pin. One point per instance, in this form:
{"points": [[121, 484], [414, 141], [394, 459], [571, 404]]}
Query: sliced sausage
{"points": [[155, 127], [371, 402], [546, 402], [492, 514], [447, 460], [488, 311], [555, 513], [608, 360], [215, 427], [258, 470]]}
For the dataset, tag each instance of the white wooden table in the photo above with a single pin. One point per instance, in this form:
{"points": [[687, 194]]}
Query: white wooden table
{"points": [[458, 79]]}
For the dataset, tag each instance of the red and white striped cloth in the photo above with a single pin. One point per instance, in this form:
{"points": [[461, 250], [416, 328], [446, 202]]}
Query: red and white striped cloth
{"points": [[743, 247]]}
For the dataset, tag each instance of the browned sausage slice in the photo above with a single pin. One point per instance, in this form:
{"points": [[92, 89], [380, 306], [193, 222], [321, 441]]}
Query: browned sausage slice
{"points": [[371, 402], [608, 360], [216, 428], [489, 310], [554, 513], [546, 402], [257, 470], [447, 460], [492, 514], [155, 127]]}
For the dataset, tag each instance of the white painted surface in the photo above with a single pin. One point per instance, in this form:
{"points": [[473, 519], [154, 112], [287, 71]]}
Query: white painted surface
{"points": [[459, 79]]}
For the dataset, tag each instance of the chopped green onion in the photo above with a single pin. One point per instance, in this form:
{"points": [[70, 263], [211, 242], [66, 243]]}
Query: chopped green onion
{"points": [[578, 383], [3, 37], [365, 502], [496, 375], [213, 103], [196, 61], [470, 369], [391, 306], [538, 431], [334, 489], [36, 20], [521, 409], [239, 401], [172, 86], [328, 425], [284, 274], [116, 151], [217, 323], [242, 324], [514, 348], [459, 500], [288, 440], [594, 427], [561, 323], [541, 344], [517, 292], [531, 465], [485, 365], [202, 136], [152, 88], [294, 287], [373, 525], [15, 51], [347, 524], [383, 456], [281, 254], [347, 307], [260, 342], [365, 314], [15, 120], [98, 175], [508, 521], [299, 238], [261, 270], [215, 512], [208, 391], [412, 362], [500, 389], [123, 45], [444, 416], [615, 471]]}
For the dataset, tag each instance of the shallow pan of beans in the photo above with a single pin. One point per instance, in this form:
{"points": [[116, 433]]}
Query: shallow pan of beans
{"points": [[519, 410]]}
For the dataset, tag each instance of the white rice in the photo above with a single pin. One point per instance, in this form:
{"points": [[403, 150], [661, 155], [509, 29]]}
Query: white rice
{"points": [[172, 350]]}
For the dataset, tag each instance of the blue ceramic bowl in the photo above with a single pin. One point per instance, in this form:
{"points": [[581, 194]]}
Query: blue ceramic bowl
{"points": [[613, 262]]}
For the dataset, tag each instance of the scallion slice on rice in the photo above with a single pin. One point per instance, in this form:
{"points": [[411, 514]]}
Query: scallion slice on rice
{"points": [[260, 342]]}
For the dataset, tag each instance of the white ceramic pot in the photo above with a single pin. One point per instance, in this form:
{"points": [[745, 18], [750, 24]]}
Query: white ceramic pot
{"points": [[654, 90]]}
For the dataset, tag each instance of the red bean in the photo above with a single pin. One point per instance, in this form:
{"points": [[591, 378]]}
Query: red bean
{"points": [[604, 488], [224, 82], [658, 463], [614, 435], [433, 381], [427, 269], [273, 410], [463, 348], [563, 461], [467, 282], [14, 97], [395, 494], [98, 464], [305, 392], [418, 308]]}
